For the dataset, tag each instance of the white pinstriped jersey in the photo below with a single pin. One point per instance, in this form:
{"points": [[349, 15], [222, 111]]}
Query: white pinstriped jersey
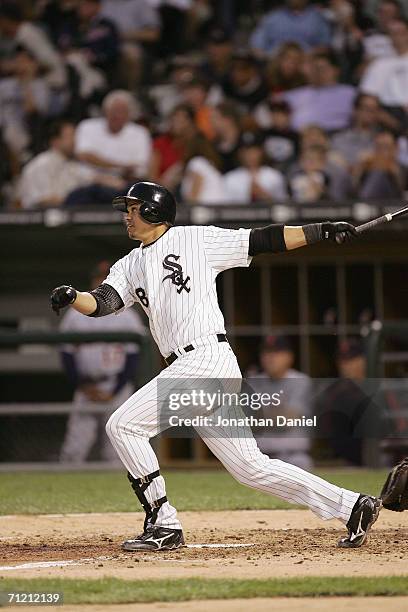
{"points": [[173, 279]]}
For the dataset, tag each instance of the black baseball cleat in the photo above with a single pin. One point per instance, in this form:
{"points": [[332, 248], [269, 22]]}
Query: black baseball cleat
{"points": [[363, 516], [156, 538]]}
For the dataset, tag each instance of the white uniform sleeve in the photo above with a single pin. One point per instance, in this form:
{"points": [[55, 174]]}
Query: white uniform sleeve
{"points": [[119, 279], [226, 248]]}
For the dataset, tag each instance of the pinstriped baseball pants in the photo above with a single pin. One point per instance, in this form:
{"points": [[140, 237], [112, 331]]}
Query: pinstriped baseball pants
{"points": [[137, 420]]}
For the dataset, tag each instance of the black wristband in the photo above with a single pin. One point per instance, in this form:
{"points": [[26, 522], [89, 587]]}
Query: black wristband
{"points": [[313, 232], [269, 239]]}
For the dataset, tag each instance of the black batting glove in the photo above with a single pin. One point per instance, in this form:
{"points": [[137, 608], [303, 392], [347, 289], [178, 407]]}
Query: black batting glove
{"points": [[339, 232], [61, 297]]}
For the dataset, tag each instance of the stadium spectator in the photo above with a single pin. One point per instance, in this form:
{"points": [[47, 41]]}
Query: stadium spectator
{"points": [[169, 148], [24, 105], [377, 42], [245, 84], [50, 177], [296, 22], [281, 142], [387, 78], [276, 375], [346, 37], [358, 139], [18, 32], [316, 178], [100, 373], [174, 16], [219, 49], [227, 128], [91, 40], [202, 180], [195, 94], [325, 101], [379, 174], [138, 25], [113, 142], [253, 180], [285, 70]]}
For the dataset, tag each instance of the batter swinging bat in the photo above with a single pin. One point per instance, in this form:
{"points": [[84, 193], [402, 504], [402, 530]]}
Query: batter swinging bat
{"points": [[380, 220]]}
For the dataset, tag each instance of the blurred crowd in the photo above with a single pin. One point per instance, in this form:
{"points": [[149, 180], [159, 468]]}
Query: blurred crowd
{"points": [[221, 101]]}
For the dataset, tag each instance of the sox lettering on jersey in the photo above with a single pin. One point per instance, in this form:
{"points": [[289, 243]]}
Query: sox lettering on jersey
{"points": [[176, 275]]}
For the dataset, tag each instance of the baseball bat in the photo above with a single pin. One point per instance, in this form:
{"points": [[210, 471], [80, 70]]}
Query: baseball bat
{"points": [[380, 220]]}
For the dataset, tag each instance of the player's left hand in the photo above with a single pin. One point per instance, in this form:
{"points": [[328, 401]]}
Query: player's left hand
{"points": [[62, 296], [339, 232]]}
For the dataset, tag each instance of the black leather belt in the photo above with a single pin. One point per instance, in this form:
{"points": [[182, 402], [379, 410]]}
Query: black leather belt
{"points": [[190, 347]]}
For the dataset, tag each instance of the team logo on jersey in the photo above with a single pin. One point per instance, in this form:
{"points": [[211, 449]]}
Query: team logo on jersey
{"points": [[176, 275]]}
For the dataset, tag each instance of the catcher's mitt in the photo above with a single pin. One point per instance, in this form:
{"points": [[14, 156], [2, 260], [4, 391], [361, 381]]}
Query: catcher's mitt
{"points": [[394, 493]]}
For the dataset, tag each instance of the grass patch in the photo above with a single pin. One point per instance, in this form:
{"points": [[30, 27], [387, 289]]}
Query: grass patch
{"points": [[48, 492], [114, 590]]}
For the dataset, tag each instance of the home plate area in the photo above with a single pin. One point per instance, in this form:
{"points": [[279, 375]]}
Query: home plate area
{"points": [[261, 543]]}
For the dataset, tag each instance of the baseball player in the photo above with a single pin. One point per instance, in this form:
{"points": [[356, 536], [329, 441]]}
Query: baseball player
{"points": [[100, 372], [172, 275]]}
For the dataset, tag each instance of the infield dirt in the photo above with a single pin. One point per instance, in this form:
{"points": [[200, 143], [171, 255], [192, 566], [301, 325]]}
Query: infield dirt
{"points": [[283, 543]]}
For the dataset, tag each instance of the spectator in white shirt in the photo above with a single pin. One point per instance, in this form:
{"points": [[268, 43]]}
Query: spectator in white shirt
{"points": [[387, 78], [49, 178], [254, 181], [202, 181], [114, 143]]}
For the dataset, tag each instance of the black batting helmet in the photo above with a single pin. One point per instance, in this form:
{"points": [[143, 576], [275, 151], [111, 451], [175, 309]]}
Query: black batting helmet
{"points": [[157, 204]]}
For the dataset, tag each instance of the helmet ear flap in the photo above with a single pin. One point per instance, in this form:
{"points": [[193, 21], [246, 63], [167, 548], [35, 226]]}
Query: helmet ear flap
{"points": [[150, 213]]}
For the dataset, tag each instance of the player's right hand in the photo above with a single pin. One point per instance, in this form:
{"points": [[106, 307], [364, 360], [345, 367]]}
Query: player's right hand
{"points": [[62, 296], [339, 232]]}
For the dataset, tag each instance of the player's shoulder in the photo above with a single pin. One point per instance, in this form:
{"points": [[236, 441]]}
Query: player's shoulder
{"points": [[128, 259], [180, 231]]}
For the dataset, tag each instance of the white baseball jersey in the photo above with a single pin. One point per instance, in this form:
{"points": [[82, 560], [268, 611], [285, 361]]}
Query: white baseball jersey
{"points": [[173, 278]]}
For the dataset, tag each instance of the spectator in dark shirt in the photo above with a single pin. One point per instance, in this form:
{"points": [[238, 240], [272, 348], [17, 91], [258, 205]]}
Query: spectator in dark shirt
{"points": [[281, 142], [379, 174], [227, 128], [218, 55], [93, 37], [298, 22], [245, 83]]}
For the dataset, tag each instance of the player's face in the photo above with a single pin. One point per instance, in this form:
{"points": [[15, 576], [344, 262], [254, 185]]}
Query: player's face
{"points": [[135, 225]]}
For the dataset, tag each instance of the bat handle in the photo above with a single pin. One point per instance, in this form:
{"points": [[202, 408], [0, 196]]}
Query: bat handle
{"points": [[370, 224]]}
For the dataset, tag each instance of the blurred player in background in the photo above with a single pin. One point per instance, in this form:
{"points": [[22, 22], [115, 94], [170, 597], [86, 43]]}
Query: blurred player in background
{"points": [[101, 373], [277, 375]]}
